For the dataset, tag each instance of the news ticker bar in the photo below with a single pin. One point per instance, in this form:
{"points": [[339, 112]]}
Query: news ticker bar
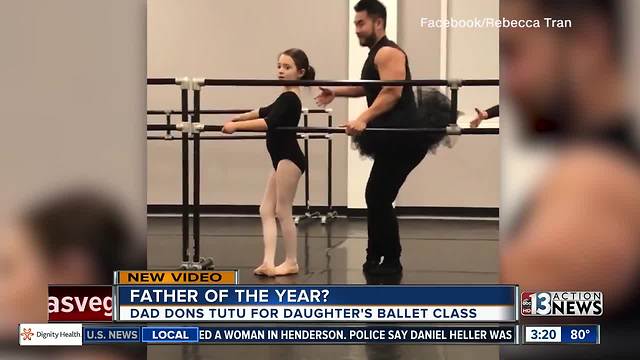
{"points": [[273, 303], [79, 334], [488, 295], [82, 334], [332, 303]]}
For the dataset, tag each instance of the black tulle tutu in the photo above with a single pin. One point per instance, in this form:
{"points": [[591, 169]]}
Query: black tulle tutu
{"points": [[434, 111]]}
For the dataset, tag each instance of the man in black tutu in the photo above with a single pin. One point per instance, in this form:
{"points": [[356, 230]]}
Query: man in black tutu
{"points": [[395, 155]]}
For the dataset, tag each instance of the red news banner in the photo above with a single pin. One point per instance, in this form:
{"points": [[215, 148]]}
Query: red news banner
{"points": [[93, 303], [73, 303]]}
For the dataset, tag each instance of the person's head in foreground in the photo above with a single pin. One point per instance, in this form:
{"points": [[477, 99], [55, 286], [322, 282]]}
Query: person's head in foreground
{"points": [[70, 238], [580, 228], [566, 78]]}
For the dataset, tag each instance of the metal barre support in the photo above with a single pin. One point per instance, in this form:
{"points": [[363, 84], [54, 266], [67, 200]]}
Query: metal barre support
{"points": [[225, 111], [196, 127], [162, 81], [197, 82], [185, 178], [330, 215], [308, 214], [450, 130], [265, 82], [238, 137], [196, 178]]}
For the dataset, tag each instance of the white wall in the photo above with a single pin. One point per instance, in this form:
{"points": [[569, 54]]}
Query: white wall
{"points": [[241, 39], [225, 40], [73, 101], [469, 174]]}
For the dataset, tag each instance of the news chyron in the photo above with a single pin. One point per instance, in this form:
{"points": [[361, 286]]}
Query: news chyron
{"points": [[561, 303]]}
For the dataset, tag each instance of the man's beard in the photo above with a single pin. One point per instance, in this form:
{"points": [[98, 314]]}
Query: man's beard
{"points": [[368, 41]]}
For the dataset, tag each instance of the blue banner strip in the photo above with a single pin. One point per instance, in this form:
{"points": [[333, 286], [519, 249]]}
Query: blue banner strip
{"points": [[358, 335], [316, 295], [179, 334], [353, 334], [110, 334], [580, 334]]}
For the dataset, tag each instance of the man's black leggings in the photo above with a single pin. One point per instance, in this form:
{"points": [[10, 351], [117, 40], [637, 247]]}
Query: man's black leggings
{"points": [[387, 175]]}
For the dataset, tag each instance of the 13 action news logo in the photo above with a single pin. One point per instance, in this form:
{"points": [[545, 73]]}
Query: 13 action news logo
{"points": [[561, 303]]}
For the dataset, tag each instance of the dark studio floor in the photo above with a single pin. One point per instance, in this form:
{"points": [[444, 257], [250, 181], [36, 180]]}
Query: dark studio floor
{"points": [[434, 252]]}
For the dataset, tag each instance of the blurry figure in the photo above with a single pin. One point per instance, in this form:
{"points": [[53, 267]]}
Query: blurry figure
{"points": [[72, 238], [579, 229], [482, 115]]}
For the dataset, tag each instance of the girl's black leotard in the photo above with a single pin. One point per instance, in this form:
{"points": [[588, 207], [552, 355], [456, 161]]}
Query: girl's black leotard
{"points": [[285, 111]]}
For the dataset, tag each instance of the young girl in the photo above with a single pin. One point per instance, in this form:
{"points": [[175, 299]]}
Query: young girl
{"points": [[287, 158]]}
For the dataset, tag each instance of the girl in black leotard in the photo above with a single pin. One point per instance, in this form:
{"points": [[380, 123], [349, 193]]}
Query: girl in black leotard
{"points": [[287, 159]]}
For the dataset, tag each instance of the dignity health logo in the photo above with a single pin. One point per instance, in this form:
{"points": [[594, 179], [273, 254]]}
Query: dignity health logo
{"points": [[50, 334], [26, 334]]}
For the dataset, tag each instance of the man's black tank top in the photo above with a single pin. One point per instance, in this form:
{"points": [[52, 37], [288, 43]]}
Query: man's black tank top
{"points": [[403, 114], [407, 103]]}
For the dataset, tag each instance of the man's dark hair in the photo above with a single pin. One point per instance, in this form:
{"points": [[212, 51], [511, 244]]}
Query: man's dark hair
{"points": [[374, 8], [576, 11]]}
